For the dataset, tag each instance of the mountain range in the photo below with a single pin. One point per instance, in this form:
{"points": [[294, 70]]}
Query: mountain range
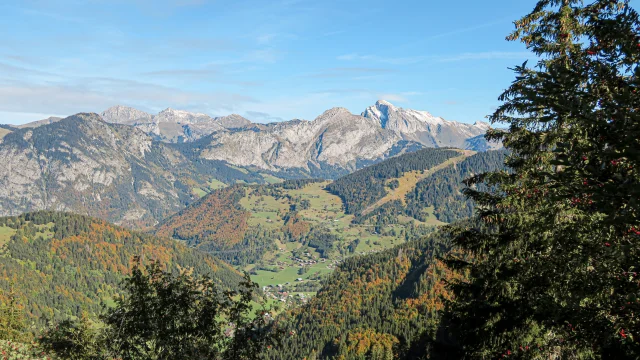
{"points": [[134, 169], [380, 131], [115, 172]]}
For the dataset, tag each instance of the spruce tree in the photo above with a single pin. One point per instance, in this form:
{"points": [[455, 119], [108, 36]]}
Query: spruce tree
{"points": [[12, 318], [553, 268]]}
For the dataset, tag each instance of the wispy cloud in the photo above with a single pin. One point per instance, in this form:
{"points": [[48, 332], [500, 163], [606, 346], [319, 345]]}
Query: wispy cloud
{"points": [[265, 38], [382, 59], [458, 31], [94, 94], [332, 33], [189, 2], [489, 55], [54, 16], [372, 95], [350, 72], [393, 98], [198, 73]]}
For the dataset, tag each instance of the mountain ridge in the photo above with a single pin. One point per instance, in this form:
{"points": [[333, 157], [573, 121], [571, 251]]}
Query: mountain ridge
{"points": [[112, 171], [338, 139]]}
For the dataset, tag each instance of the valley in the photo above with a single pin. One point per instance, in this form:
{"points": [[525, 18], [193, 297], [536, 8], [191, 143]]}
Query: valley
{"points": [[289, 235]]}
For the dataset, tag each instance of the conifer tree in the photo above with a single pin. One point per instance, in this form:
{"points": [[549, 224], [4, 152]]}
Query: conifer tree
{"points": [[12, 319], [553, 270]]}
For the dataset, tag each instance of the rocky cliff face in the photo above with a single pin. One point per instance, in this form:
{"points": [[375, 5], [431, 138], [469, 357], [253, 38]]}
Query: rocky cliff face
{"points": [[422, 127], [85, 165], [336, 137], [232, 121], [338, 141], [125, 115]]}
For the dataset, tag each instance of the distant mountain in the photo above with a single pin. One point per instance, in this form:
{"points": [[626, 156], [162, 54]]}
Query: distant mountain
{"points": [[111, 171], [125, 115], [334, 144], [170, 125], [123, 165], [61, 264], [422, 127], [338, 142], [34, 124], [6, 129], [232, 121]]}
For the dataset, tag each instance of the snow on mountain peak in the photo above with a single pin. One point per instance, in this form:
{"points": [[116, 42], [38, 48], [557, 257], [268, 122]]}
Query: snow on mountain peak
{"points": [[384, 103]]}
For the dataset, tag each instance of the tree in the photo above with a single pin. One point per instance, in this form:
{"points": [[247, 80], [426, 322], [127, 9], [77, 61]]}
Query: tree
{"points": [[12, 318], [552, 272], [162, 316]]}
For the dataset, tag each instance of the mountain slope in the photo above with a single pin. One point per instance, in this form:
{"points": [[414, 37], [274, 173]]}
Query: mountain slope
{"points": [[367, 186], [61, 264], [379, 304], [337, 138], [415, 185], [334, 144], [115, 172]]}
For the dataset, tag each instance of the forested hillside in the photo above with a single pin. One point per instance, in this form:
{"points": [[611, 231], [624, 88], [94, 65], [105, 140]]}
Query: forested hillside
{"points": [[439, 195], [298, 230], [60, 264], [374, 306], [366, 186]]}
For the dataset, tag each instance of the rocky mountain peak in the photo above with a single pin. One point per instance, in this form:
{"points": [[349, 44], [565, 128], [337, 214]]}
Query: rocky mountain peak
{"points": [[232, 121], [482, 124], [333, 113], [87, 117], [181, 116], [384, 103], [123, 115]]}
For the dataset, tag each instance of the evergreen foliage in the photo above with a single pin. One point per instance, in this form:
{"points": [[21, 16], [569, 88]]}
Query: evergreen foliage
{"points": [[443, 190], [555, 273], [366, 186], [12, 318], [375, 306]]}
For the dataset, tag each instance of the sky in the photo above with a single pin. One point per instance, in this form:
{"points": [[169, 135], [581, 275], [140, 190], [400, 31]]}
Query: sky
{"points": [[267, 60]]}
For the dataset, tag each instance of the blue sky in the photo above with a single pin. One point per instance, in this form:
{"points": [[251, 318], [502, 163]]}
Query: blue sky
{"points": [[266, 60]]}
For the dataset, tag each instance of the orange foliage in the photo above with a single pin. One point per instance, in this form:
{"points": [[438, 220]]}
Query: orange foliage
{"points": [[216, 218], [296, 227]]}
